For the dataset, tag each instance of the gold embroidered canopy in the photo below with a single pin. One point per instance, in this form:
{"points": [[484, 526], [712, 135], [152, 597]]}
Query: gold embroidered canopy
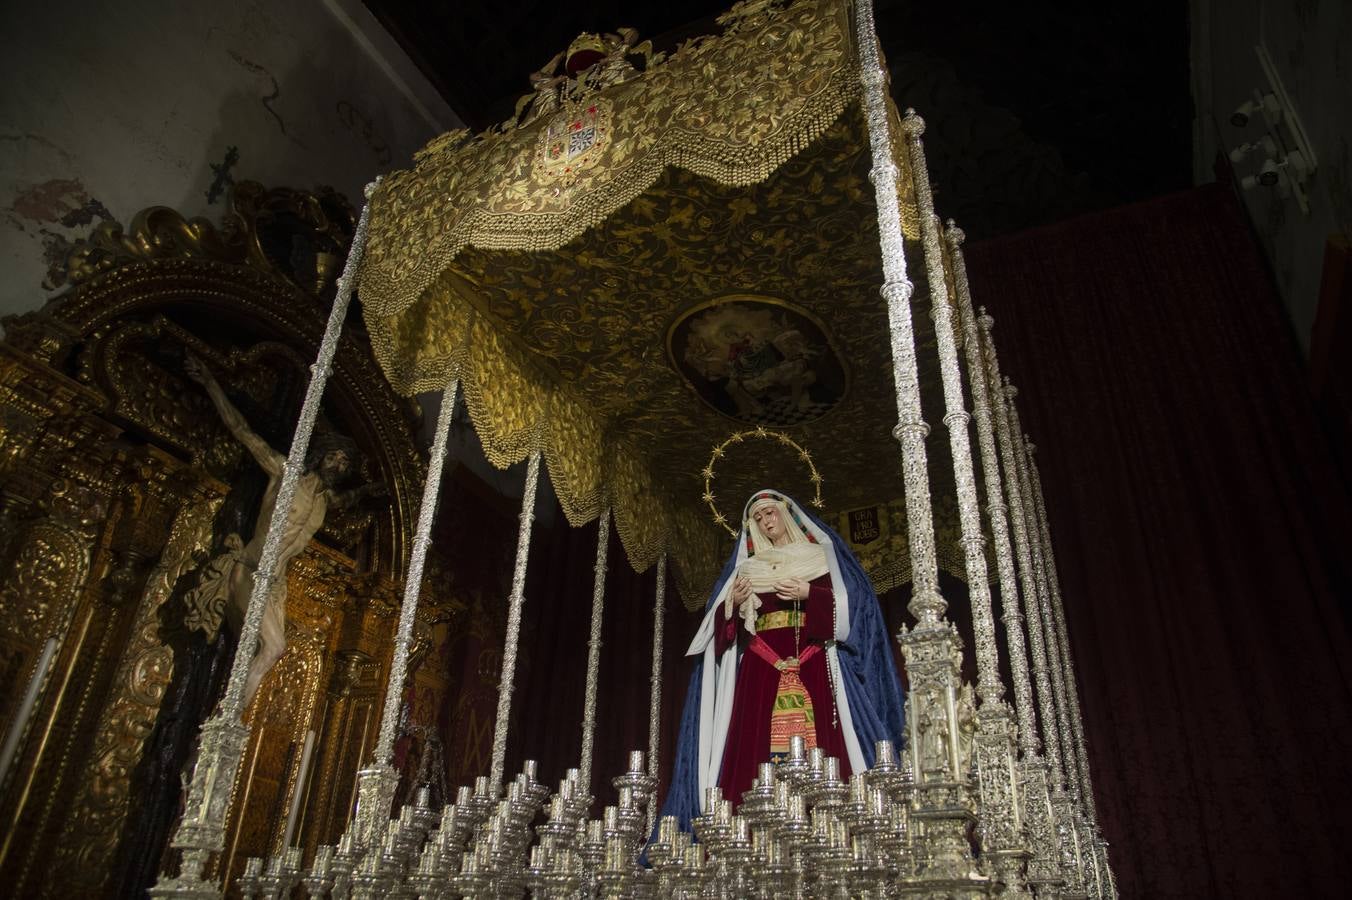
{"points": [[643, 262]]}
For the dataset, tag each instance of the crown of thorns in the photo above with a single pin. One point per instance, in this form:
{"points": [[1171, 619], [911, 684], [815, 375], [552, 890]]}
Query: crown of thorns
{"points": [[326, 442]]}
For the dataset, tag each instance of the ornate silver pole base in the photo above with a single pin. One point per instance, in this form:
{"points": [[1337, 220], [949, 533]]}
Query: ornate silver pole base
{"points": [[1064, 818], [1108, 884], [940, 749], [376, 785], [1085, 843], [1044, 866], [1001, 830], [201, 832]]}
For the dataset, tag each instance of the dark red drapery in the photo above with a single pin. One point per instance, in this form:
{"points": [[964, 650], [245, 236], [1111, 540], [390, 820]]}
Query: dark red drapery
{"points": [[551, 681], [1202, 537]]}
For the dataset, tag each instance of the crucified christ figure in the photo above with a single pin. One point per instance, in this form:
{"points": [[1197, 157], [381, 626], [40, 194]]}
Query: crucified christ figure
{"points": [[328, 465]]}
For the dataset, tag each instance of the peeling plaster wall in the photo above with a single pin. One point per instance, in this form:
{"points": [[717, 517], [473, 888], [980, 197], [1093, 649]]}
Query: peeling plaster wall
{"points": [[1310, 43], [112, 107]]}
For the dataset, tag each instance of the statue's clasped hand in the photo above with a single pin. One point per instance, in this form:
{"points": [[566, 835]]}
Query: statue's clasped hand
{"points": [[745, 601], [739, 597]]}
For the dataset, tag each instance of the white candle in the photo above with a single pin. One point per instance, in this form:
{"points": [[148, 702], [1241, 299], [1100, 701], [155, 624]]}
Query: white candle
{"points": [[307, 749], [30, 699]]}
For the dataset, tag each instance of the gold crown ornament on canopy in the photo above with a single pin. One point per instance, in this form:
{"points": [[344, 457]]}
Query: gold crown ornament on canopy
{"points": [[584, 52]]}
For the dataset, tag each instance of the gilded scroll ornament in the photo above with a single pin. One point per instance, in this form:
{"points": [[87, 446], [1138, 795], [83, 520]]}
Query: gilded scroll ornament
{"points": [[136, 364], [139, 683], [129, 298], [52, 563], [320, 226]]}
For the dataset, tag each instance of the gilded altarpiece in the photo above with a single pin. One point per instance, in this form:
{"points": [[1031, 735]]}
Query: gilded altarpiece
{"points": [[118, 487]]}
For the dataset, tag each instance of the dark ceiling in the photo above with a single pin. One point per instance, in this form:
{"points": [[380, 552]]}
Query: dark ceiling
{"points": [[1037, 111]]}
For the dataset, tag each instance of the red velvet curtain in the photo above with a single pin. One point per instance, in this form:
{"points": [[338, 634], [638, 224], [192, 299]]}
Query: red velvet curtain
{"points": [[551, 677], [1202, 537]]}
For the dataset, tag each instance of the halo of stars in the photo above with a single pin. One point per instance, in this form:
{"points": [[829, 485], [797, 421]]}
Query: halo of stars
{"points": [[738, 437]]}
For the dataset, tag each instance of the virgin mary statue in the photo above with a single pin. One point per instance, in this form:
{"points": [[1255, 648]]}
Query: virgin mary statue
{"points": [[792, 644]]}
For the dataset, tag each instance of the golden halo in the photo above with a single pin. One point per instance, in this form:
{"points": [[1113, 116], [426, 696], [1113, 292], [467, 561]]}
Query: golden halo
{"points": [[736, 438]]}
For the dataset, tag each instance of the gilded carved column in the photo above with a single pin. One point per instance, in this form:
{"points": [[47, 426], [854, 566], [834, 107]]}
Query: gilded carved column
{"points": [[201, 830], [59, 615], [38, 408], [347, 719], [932, 649], [143, 673], [45, 600]]}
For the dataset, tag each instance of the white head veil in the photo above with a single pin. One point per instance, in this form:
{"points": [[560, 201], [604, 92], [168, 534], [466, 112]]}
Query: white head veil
{"points": [[799, 557]]}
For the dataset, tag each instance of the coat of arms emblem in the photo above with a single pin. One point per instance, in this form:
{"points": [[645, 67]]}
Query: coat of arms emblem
{"points": [[573, 138]]}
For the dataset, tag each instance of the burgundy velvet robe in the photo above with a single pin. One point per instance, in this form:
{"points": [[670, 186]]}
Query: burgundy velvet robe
{"points": [[758, 681]]}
